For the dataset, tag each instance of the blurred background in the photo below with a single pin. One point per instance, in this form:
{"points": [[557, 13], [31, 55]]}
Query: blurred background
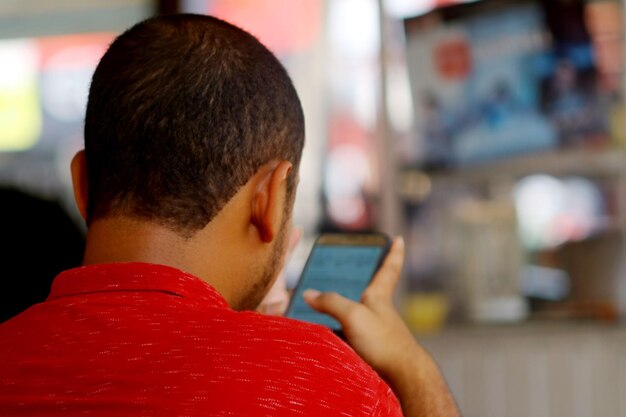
{"points": [[490, 134]]}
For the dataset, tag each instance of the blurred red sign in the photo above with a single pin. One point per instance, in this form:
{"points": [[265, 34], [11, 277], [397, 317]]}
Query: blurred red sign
{"points": [[283, 26], [453, 59]]}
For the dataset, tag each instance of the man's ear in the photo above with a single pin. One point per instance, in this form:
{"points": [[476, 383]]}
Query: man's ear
{"points": [[79, 182], [268, 201]]}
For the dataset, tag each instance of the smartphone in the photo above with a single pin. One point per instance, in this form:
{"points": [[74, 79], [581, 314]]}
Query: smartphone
{"points": [[344, 263]]}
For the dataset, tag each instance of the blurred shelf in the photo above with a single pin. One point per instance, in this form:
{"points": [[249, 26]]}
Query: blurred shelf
{"points": [[610, 229], [585, 162], [540, 328]]}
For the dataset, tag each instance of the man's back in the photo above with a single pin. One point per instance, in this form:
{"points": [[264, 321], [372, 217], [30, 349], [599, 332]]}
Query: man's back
{"points": [[142, 339], [193, 138]]}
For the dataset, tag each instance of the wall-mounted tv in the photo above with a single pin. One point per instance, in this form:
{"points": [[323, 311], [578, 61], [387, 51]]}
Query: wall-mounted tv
{"points": [[503, 77]]}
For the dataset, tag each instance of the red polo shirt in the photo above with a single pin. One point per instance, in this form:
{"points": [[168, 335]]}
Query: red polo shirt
{"points": [[149, 340]]}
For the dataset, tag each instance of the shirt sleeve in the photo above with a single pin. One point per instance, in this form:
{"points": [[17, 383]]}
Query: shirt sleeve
{"points": [[387, 402]]}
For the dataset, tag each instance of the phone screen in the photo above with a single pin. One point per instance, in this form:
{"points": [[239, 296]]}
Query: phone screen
{"points": [[344, 269]]}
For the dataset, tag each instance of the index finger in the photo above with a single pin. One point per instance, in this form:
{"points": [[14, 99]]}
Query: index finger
{"points": [[384, 282], [294, 238]]}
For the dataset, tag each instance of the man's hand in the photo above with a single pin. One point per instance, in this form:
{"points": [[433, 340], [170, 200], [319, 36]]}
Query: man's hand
{"points": [[372, 327], [378, 334]]}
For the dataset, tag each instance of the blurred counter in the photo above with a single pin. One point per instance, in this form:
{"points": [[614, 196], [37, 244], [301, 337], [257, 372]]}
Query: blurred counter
{"points": [[534, 369]]}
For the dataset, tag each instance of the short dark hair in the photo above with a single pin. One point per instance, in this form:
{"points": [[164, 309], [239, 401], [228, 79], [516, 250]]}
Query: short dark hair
{"points": [[182, 111]]}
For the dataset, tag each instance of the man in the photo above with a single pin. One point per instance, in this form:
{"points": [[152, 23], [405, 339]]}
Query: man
{"points": [[193, 137], [31, 224]]}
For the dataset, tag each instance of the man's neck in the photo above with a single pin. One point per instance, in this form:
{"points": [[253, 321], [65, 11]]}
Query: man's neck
{"points": [[123, 239]]}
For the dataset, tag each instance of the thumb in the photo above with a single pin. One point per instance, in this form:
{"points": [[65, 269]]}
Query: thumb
{"points": [[331, 303]]}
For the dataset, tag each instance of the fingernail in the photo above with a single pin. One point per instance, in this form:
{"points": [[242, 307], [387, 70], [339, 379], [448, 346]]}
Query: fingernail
{"points": [[400, 240], [310, 294]]}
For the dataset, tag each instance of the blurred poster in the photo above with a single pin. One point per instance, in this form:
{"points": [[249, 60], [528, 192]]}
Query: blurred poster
{"points": [[501, 78], [44, 88], [605, 22], [569, 90], [43, 93], [20, 114]]}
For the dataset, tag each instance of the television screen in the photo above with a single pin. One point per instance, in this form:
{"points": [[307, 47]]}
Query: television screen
{"points": [[499, 78]]}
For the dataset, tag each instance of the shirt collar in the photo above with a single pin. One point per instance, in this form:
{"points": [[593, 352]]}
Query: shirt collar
{"points": [[134, 276]]}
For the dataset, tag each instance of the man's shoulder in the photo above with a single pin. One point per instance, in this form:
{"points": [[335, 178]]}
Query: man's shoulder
{"points": [[302, 344], [208, 353], [310, 355], [282, 329]]}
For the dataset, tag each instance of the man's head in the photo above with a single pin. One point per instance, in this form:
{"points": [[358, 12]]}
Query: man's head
{"points": [[184, 111]]}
